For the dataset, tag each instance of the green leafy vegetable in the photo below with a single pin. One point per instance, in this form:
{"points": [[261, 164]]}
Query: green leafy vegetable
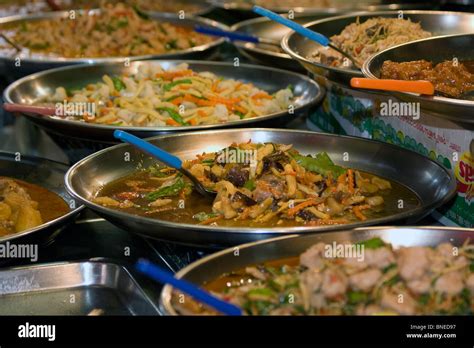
{"points": [[424, 299], [174, 115], [373, 243], [202, 216], [250, 185], [321, 163], [171, 45], [122, 23], [356, 297], [240, 114], [169, 86], [118, 83], [167, 191]]}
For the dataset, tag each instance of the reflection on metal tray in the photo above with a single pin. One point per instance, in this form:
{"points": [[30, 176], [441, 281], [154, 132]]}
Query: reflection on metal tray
{"points": [[72, 289]]}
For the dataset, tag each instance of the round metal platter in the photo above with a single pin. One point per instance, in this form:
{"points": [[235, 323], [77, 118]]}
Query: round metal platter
{"points": [[213, 266], [435, 50], [38, 62], [47, 174], [436, 22], [34, 87], [433, 184], [335, 7]]}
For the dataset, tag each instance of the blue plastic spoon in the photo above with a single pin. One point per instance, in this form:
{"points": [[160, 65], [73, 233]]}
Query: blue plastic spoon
{"points": [[312, 35], [235, 35], [158, 274], [164, 157]]}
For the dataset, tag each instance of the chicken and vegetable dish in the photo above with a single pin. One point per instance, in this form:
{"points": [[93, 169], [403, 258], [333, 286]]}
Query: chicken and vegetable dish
{"points": [[260, 185], [24, 206], [376, 280], [451, 78], [179, 96]]}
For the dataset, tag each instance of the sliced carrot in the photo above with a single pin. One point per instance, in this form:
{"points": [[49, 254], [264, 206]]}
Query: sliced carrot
{"points": [[350, 180], [169, 75], [224, 100], [202, 113], [359, 214], [214, 86], [177, 101], [341, 179], [302, 205], [171, 122], [192, 122], [197, 101], [239, 109], [262, 95]]}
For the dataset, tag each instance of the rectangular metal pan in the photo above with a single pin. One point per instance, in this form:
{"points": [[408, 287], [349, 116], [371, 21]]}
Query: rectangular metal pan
{"points": [[80, 288]]}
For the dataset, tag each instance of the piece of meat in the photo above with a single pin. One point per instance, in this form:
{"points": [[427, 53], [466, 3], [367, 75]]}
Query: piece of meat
{"points": [[420, 286], [380, 257], [313, 257], [365, 280], [450, 283], [401, 302], [335, 283], [267, 186], [413, 262]]}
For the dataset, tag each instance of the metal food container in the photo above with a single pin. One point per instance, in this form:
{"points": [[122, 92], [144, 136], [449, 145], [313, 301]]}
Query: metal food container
{"points": [[77, 288], [32, 64], [433, 184], [49, 175], [213, 266]]}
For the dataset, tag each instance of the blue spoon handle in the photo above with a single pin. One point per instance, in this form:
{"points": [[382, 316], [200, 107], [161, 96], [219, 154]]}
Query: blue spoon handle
{"points": [[319, 38], [233, 36], [151, 149], [162, 276]]}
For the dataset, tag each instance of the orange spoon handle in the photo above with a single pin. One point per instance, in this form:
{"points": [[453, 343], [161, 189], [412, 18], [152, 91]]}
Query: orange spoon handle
{"points": [[420, 87]]}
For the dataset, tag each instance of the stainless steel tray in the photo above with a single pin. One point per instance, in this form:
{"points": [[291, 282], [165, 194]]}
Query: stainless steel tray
{"points": [[300, 48], [336, 7], [433, 184], [30, 65], [215, 265], [32, 88], [435, 50], [72, 289], [49, 175]]}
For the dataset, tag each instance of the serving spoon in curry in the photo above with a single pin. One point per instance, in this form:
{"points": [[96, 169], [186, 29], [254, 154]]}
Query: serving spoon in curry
{"points": [[164, 157]]}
